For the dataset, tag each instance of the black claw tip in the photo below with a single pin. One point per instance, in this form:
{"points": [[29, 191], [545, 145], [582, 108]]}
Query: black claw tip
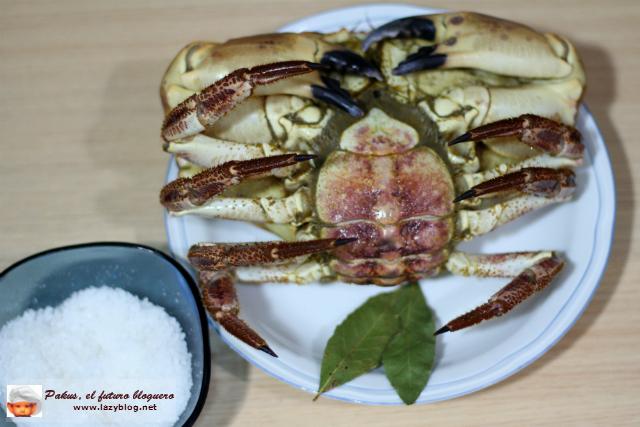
{"points": [[442, 330], [319, 67], [357, 112], [344, 241], [268, 350], [303, 157], [466, 195], [465, 137], [350, 62], [414, 26], [419, 63], [423, 51], [334, 95]]}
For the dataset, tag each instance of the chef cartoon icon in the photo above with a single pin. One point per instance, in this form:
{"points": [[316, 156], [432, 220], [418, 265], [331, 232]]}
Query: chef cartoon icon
{"points": [[24, 401]]}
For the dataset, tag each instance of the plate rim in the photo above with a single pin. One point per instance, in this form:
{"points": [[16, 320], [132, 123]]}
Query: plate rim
{"points": [[601, 177]]}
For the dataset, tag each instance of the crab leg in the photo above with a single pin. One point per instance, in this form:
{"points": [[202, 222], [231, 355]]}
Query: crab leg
{"points": [[494, 265], [560, 143], [540, 161], [525, 284], [188, 193], [205, 151], [542, 182], [472, 223], [299, 273], [216, 283], [538, 132], [541, 187], [204, 109], [221, 301], [218, 256], [293, 209]]}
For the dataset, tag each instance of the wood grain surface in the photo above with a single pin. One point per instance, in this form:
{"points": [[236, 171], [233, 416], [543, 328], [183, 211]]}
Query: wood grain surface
{"points": [[82, 161]]}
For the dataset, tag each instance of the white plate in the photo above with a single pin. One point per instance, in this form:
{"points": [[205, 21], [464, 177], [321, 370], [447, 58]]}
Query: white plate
{"points": [[297, 321]]}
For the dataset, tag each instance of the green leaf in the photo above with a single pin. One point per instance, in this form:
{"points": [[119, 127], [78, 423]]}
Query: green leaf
{"points": [[358, 342], [408, 358]]}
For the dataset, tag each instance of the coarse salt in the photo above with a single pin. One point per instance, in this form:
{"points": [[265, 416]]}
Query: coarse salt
{"points": [[102, 340]]}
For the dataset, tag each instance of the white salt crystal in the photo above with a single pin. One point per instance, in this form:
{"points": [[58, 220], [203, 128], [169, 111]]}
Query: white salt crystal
{"points": [[99, 339]]}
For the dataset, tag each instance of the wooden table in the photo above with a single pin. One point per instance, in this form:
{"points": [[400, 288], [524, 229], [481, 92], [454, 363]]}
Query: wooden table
{"points": [[82, 161]]}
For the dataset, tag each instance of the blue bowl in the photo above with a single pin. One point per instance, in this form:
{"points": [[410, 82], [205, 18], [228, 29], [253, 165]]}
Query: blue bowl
{"points": [[50, 277]]}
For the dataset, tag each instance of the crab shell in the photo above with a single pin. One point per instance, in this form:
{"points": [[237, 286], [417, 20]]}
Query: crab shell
{"points": [[394, 196]]}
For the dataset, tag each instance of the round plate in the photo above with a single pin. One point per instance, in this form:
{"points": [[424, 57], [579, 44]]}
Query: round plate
{"points": [[297, 321]]}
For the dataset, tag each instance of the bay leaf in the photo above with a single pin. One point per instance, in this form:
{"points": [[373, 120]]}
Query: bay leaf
{"points": [[358, 342], [409, 356]]}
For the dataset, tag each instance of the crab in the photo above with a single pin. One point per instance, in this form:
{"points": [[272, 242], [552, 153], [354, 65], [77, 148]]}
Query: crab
{"points": [[372, 155]]}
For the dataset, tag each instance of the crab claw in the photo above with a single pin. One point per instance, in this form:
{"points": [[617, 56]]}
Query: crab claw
{"points": [[333, 94], [473, 40], [538, 132], [412, 27], [423, 59], [524, 285], [346, 61]]}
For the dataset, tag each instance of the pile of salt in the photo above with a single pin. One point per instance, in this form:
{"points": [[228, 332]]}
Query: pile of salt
{"points": [[104, 340]]}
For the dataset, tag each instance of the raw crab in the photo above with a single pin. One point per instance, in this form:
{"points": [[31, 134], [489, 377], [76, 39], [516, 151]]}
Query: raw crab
{"points": [[348, 161]]}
